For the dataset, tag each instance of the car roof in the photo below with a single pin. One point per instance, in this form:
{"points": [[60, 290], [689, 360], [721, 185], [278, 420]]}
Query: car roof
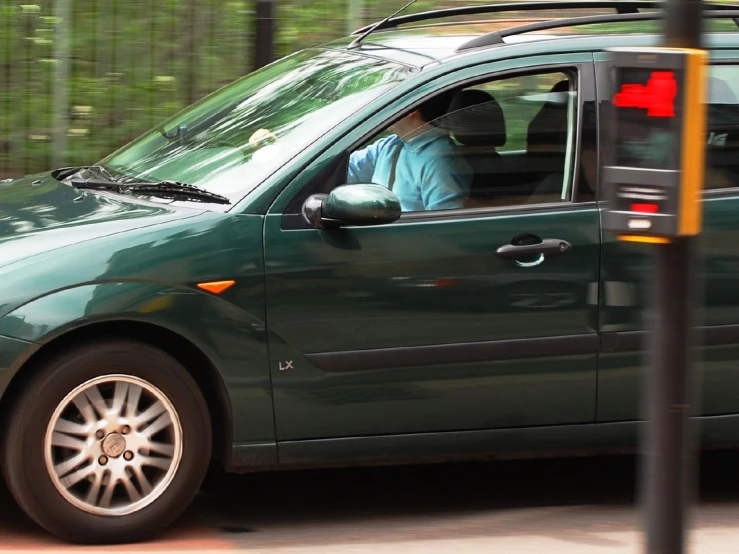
{"points": [[432, 45]]}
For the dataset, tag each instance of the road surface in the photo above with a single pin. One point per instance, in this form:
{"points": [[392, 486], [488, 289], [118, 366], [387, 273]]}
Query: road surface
{"points": [[581, 505]]}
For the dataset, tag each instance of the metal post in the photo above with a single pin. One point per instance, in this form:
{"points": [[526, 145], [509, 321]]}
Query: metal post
{"points": [[63, 14], [192, 71], [264, 39], [670, 384]]}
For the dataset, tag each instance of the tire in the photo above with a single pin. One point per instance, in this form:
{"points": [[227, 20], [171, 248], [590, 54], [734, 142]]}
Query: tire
{"points": [[37, 453]]}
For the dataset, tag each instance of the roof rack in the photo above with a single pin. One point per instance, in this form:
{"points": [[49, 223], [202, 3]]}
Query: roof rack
{"points": [[620, 6], [497, 37]]}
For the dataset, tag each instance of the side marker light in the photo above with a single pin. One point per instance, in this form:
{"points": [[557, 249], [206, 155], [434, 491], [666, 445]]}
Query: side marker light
{"points": [[216, 287]]}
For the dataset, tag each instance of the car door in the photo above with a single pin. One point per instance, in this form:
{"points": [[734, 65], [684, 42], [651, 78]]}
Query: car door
{"points": [[424, 325], [626, 271]]}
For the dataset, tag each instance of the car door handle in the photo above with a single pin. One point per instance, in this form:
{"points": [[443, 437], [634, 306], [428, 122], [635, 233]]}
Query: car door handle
{"points": [[547, 248]]}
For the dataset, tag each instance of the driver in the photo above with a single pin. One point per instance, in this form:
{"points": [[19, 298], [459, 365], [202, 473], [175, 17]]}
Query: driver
{"points": [[416, 162]]}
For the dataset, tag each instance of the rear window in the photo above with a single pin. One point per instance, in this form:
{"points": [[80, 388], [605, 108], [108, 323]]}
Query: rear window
{"points": [[722, 137]]}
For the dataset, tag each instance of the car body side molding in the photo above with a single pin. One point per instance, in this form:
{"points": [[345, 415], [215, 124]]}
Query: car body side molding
{"points": [[635, 341], [459, 353]]}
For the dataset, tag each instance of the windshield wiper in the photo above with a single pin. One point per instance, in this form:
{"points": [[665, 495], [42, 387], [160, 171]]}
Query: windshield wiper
{"points": [[163, 189], [64, 172]]}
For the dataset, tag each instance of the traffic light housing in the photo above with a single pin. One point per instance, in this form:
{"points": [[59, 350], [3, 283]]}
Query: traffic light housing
{"points": [[654, 144]]}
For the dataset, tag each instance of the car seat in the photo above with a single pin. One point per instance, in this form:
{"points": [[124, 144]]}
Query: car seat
{"points": [[722, 150], [476, 121], [546, 145], [549, 125]]}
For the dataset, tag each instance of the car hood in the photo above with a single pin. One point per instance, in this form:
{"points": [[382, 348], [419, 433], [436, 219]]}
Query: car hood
{"points": [[39, 214]]}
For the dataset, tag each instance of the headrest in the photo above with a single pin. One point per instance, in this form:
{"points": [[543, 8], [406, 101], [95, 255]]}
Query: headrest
{"points": [[476, 119], [562, 86], [723, 107], [719, 92], [548, 128]]}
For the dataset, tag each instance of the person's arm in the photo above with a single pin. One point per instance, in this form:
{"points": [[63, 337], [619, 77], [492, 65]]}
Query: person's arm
{"points": [[445, 185], [362, 162]]}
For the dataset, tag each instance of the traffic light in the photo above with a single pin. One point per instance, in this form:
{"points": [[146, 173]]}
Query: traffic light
{"points": [[654, 144]]}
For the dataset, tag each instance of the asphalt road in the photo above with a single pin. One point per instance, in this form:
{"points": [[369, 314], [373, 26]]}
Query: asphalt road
{"points": [[569, 506]]}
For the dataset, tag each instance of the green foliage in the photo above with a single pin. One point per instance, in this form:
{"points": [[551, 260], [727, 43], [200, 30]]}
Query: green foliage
{"points": [[134, 63]]}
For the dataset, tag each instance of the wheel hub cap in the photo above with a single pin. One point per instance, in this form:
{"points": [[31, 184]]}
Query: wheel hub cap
{"points": [[114, 445]]}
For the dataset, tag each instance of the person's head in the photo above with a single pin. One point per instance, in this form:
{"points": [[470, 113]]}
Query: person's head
{"points": [[427, 112]]}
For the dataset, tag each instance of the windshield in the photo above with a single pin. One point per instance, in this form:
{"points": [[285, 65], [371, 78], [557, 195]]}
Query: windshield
{"points": [[232, 140]]}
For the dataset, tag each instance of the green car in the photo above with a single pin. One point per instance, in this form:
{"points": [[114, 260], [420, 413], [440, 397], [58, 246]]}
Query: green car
{"points": [[383, 249]]}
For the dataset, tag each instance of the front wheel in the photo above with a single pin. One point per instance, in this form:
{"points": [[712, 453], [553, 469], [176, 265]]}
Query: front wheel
{"points": [[108, 444]]}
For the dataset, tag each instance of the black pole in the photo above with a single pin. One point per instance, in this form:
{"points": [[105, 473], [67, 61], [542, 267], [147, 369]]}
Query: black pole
{"points": [[683, 23], [264, 40], [671, 388], [668, 439]]}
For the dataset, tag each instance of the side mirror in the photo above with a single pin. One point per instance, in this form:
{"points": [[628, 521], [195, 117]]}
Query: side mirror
{"points": [[352, 205]]}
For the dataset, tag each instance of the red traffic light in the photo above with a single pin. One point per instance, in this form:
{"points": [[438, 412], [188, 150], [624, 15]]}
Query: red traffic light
{"points": [[657, 97], [645, 208]]}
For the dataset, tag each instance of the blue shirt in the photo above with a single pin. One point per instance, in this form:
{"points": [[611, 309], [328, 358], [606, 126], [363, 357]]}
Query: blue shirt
{"points": [[427, 177]]}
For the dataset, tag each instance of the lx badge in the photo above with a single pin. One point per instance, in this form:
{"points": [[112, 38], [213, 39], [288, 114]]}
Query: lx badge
{"points": [[288, 365]]}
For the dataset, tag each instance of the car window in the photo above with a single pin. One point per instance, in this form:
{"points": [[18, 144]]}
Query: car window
{"points": [[504, 142], [232, 140], [722, 149]]}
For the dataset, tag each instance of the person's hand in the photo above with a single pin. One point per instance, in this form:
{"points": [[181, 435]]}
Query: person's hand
{"points": [[262, 137], [263, 140]]}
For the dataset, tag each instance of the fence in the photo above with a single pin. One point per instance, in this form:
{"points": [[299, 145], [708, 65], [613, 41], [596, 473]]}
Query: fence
{"points": [[80, 78]]}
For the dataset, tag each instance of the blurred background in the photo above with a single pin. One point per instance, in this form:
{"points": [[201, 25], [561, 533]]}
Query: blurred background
{"points": [[80, 78]]}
